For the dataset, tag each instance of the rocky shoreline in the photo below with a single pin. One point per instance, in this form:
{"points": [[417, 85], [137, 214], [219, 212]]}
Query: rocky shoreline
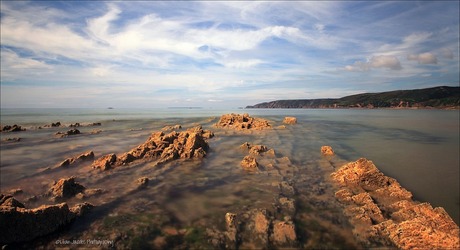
{"points": [[354, 206]]}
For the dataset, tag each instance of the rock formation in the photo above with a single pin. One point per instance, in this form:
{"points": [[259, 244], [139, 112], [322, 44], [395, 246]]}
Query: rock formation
{"points": [[69, 132], [249, 163], [162, 147], [20, 224], [290, 120], [242, 122], [383, 213], [83, 157], [327, 150], [65, 188], [14, 128]]}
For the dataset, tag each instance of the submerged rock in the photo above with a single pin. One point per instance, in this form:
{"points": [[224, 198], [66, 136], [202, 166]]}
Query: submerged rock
{"points": [[289, 120], [406, 224], [242, 122], [327, 150]]}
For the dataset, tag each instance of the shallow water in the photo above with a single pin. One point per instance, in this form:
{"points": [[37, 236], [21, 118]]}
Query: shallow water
{"points": [[417, 147]]}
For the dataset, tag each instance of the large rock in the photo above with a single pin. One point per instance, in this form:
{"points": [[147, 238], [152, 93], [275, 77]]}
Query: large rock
{"points": [[406, 224], [290, 120], [18, 224], [162, 148], [83, 157], [242, 122], [14, 128], [65, 188]]}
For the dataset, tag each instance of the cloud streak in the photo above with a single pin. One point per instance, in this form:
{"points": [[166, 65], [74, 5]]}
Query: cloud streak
{"points": [[213, 51]]}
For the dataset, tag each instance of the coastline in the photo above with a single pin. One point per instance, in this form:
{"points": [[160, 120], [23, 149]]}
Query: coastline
{"points": [[299, 180]]}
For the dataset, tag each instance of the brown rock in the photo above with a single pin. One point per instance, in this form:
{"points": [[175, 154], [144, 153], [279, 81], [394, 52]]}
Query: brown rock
{"points": [[9, 201], [230, 220], [105, 162], [14, 128], [65, 188], [83, 157], [249, 163], [290, 120], [242, 122], [142, 182], [20, 224], [171, 128], [284, 232], [327, 150], [261, 222], [405, 224]]}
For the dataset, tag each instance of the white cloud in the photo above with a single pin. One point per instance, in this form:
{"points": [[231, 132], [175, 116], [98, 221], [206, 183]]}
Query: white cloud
{"points": [[423, 58], [380, 61]]}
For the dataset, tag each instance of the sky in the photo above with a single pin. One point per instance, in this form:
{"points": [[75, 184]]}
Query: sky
{"points": [[219, 54]]}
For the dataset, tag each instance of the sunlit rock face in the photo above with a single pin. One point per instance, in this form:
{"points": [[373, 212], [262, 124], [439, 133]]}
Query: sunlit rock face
{"points": [[383, 212], [242, 122], [162, 148]]}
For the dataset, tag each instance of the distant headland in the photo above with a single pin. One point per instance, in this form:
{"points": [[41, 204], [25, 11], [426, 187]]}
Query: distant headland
{"points": [[442, 97]]}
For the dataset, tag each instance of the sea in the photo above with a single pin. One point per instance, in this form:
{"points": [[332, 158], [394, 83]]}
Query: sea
{"points": [[418, 147]]}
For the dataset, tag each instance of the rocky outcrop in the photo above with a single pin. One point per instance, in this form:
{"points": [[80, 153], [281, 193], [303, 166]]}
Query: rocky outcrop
{"points": [[142, 182], [14, 128], [171, 127], [65, 188], [162, 148], [327, 150], [73, 160], [383, 213], [68, 133], [242, 122], [289, 120], [249, 163], [20, 224]]}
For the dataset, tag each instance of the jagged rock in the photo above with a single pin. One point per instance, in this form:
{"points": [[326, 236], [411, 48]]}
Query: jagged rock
{"points": [[20, 224], [405, 224], [287, 203], [65, 188], [242, 122], [249, 163], [284, 232], [77, 124], [261, 222], [254, 149], [290, 120], [163, 148], [105, 162], [9, 201], [142, 182], [83, 157], [14, 128], [171, 128], [68, 133], [230, 220], [327, 150]]}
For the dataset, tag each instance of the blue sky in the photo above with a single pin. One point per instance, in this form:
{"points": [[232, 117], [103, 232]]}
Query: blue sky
{"points": [[153, 54]]}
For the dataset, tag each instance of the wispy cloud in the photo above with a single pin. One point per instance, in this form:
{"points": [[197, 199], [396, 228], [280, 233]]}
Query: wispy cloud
{"points": [[224, 53]]}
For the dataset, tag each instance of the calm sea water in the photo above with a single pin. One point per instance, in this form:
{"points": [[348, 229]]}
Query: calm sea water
{"points": [[420, 148]]}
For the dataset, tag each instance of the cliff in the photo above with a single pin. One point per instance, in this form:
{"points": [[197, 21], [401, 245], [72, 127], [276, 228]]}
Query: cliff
{"points": [[436, 97]]}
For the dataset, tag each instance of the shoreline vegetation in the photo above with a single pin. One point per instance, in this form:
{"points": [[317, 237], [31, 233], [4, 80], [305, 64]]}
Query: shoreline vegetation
{"points": [[342, 205], [442, 97]]}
